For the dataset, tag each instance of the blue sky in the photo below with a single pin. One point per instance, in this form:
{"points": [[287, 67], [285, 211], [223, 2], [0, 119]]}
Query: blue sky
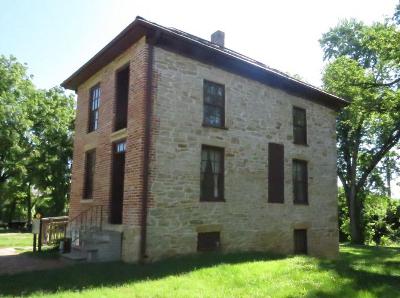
{"points": [[55, 37]]}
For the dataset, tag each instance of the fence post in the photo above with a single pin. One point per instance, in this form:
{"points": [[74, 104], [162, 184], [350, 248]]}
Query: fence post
{"points": [[34, 242], [40, 237]]}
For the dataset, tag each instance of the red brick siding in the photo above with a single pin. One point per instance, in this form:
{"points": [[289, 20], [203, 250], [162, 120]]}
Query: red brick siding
{"points": [[137, 55]]}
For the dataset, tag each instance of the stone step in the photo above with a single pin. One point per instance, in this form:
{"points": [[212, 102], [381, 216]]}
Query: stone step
{"points": [[75, 256], [98, 246], [86, 248]]}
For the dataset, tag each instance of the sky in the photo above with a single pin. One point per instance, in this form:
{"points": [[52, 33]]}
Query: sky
{"points": [[55, 37]]}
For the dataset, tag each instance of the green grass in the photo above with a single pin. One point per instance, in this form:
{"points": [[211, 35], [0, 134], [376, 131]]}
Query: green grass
{"points": [[16, 240], [359, 272]]}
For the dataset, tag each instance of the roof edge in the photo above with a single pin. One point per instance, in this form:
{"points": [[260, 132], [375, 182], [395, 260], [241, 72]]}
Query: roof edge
{"points": [[141, 27]]}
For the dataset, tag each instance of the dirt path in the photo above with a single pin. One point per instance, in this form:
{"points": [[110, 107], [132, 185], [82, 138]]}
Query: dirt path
{"points": [[12, 261]]}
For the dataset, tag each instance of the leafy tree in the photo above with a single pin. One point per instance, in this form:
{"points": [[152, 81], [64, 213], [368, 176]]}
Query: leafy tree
{"points": [[364, 67], [35, 144], [381, 216], [16, 89]]}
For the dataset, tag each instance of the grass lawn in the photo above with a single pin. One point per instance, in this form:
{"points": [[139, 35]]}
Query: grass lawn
{"points": [[16, 240], [359, 272]]}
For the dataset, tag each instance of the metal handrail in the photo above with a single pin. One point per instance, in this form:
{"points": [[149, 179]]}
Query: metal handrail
{"points": [[87, 219]]}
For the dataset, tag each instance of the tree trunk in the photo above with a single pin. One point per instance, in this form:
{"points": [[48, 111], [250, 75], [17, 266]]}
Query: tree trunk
{"points": [[29, 206], [355, 209], [12, 211], [388, 177]]}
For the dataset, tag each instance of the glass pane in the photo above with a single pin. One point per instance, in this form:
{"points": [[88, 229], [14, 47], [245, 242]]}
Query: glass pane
{"points": [[214, 94], [301, 192], [212, 115], [299, 118], [211, 163], [216, 186], [120, 147]]}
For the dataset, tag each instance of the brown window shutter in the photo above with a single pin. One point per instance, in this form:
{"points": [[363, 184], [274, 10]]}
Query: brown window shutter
{"points": [[275, 173]]}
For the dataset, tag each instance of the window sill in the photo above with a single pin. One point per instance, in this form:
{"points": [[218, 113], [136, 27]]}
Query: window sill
{"points": [[301, 203], [211, 126], [86, 200], [213, 200], [92, 132], [301, 144], [276, 202], [119, 134]]}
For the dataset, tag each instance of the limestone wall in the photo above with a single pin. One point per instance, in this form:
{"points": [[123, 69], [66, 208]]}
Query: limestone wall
{"points": [[255, 115]]}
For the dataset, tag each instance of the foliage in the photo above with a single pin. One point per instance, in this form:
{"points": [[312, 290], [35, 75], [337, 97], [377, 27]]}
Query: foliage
{"points": [[359, 272], [35, 144], [364, 67], [381, 219]]}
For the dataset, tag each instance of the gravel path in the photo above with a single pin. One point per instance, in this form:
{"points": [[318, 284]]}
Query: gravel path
{"points": [[12, 261]]}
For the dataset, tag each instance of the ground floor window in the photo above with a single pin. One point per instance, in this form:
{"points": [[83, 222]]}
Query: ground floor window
{"points": [[212, 174], [300, 241], [209, 241]]}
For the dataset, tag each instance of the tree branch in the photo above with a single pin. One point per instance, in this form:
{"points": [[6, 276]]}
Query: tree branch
{"points": [[391, 142], [377, 84]]}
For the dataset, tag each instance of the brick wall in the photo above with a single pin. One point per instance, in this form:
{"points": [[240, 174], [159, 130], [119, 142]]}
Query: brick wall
{"points": [[103, 138]]}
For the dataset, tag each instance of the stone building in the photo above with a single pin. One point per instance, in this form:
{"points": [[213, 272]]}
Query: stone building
{"points": [[188, 146]]}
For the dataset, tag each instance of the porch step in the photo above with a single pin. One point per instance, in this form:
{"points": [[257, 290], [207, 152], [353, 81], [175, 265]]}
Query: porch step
{"points": [[75, 256], [88, 248], [96, 246]]}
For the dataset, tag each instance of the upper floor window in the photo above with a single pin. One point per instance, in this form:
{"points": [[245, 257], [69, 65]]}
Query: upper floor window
{"points": [[212, 174], [214, 104], [299, 126], [94, 104], [300, 182], [122, 94], [90, 162]]}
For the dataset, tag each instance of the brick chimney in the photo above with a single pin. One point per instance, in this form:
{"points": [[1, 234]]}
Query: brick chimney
{"points": [[218, 37]]}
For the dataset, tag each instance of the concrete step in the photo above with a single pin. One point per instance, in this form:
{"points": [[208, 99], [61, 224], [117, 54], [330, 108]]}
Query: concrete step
{"points": [[75, 256], [97, 246], [86, 248]]}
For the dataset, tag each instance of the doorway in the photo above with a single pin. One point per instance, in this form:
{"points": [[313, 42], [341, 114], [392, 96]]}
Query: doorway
{"points": [[117, 186]]}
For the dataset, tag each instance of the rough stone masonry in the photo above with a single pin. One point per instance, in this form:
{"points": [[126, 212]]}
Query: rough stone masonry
{"points": [[255, 115]]}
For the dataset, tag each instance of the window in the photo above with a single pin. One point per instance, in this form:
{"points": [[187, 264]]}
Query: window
{"points": [[214, 104], [209, 241], [94, 104], [300, 182], [90, 161], [299, 126], [212, 174], [300, 241], [275, 173], [122, 93]]}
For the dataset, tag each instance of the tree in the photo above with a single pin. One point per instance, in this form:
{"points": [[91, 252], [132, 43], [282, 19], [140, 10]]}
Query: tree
{"points": [[35, 144], [16, 89], [364, 67]]}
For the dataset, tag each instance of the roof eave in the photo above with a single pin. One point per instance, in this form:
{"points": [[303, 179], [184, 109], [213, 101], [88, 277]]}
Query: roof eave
{"points": [[167, 38]]}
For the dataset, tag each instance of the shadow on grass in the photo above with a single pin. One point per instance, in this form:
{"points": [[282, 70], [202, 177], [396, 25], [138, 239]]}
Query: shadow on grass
{"points": [[48, 252], [365, 269], [84, 276]]}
